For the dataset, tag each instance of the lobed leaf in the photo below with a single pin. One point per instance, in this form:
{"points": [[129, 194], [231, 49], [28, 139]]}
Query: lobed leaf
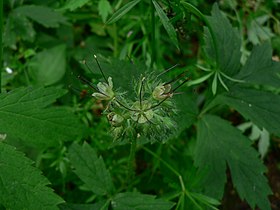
{"points": [[260, 69], [22, 186], [23, 114], [228, 43], [91, 169], [255, 105], [219, 144], [42, 15], [137, 201]]}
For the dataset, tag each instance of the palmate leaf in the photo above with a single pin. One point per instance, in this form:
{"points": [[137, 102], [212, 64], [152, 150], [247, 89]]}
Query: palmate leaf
{"points": [[260, 69], [23, 114], [21, 185], [220, 145], [227, 40], [137, 201], [261, 107], [91, 169]]}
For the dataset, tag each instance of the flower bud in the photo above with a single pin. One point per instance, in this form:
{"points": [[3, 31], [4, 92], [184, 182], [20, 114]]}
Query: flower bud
{"points": [[105, 90], [115, 119], [162, 91]]}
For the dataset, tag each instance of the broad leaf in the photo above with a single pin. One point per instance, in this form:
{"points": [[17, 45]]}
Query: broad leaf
{"points": [[122, 11], [137, 201], [74, 4], [227, 40], [260, 69], [219, 144], [22, 186], [43, 15], [166, 24], [48, 66], [23, 114], [91, 169], [261, 107]]}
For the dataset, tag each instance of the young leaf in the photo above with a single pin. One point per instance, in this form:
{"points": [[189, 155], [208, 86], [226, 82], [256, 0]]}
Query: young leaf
{"points": [[43, 15], [260, 69], [22, 186], [104, 9], [228, 43], [166, 24], [218, 144], [255, 105], [134, 200], [91, 169], [122, 11], [48, 66], [23, 114], [74, 4]]}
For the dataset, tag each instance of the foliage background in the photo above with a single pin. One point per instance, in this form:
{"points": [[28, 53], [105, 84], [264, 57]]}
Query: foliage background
{"points": [[44, 107]]}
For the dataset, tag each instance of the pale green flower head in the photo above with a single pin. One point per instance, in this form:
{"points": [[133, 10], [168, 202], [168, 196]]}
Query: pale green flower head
{"points": [[144, 112], [105, 90], [162, 91]]}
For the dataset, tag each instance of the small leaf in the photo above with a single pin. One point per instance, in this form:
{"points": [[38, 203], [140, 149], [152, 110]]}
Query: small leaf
{"points": [[48, 66], [91, 169], [122, 11], [23, 115], [43, 15], [218, 144], [166, 24], [104, 9], [134, 200], [74, 4], [22, 186]]}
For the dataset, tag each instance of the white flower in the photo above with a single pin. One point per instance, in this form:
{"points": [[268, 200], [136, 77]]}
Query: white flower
{"points": [[105, 90]]}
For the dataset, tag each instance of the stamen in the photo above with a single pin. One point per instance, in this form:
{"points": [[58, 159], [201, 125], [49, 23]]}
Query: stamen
{"points": [[167, 70], [176, 78], [95, 57]]}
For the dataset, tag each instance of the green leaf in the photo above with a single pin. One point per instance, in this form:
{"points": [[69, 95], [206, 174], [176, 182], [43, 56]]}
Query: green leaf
{"points": [[91, 169], [228, 43], [166, 24], [137, 201], [17, 27], [48, 66], [74, 4], [104, 9], [261, 107], [22, 186], [42, 15], [101, 205], [23, 114], [257, 32], [122, 11], [219, 144], [260, 69]]}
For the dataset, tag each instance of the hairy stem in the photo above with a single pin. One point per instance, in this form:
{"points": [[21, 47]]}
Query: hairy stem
{"points": [[153, 34], [1, 45], [131, 162]]}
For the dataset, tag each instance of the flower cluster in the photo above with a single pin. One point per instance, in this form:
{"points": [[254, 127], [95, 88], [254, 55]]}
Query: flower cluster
{"points": [[149, 114]]}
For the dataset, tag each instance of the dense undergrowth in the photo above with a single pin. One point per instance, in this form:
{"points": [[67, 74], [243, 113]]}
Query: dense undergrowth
{"points": [[140, 104]]}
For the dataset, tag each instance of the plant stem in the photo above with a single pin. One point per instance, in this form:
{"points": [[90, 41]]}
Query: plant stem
{"points": [[153, 34], [131, 162], [1, 45]]}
